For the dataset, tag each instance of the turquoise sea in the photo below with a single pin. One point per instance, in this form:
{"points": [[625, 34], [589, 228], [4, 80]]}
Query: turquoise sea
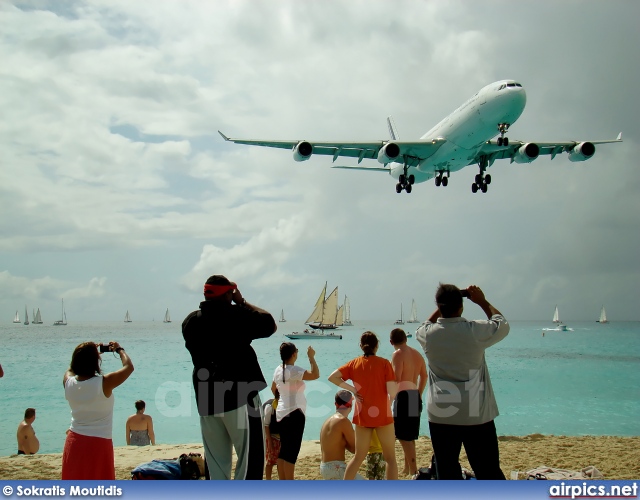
{"points": [[565, 383]]}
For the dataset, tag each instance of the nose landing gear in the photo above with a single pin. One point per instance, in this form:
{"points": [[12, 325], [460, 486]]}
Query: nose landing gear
{"points": [[502, 128]]}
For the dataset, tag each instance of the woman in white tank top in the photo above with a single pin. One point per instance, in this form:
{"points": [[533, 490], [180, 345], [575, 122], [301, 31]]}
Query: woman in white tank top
{"points": [[88, 449]]}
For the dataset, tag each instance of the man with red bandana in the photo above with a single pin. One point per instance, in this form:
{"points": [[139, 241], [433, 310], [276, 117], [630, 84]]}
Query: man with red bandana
{"points": [[227, 377]]}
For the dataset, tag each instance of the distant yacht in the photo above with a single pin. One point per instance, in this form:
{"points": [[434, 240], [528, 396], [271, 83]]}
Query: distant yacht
{"points": [[326, 313], [63, 320], [167, 318], [414, 313], [401, 320], [282, 320], [556, 316], [603, 316], [37, 318], [346, 307], [26, 316], [127, 318], [17, 317]]}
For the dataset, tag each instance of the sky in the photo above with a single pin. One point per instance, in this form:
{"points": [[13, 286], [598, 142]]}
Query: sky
{"points": [[117, 193]]}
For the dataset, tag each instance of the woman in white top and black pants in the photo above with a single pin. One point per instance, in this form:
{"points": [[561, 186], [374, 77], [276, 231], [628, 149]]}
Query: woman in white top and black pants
{"points": [[288, 380], [88, 449]]}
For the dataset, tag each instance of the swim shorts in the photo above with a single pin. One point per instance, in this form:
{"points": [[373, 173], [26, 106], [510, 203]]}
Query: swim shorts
{"points": [[407, 408]]}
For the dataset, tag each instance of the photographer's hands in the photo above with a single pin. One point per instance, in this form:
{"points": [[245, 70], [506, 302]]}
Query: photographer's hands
{"points": [[476, 295]]}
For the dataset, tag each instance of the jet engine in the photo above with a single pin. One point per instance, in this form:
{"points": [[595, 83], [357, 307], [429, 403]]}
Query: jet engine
{"points": [[582, 152], [302, 151], [527, 153], [388, 153]]}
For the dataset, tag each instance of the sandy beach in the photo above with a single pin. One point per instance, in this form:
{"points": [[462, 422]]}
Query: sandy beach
{"points": [[614, 457]]}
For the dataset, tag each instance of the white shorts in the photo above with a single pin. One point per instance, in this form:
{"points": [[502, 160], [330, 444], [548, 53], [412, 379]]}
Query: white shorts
{"points": [[335, 470]]}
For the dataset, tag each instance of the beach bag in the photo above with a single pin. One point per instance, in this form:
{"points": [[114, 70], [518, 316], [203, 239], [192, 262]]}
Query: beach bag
{"points": [[428, 472]]}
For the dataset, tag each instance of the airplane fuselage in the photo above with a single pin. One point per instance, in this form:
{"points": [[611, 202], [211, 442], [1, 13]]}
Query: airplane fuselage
{"points": [[465, 130]]}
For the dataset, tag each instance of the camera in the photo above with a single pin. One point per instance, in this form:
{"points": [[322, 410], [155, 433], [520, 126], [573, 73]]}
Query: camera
{"points": [[105, 348], [464, 293]]}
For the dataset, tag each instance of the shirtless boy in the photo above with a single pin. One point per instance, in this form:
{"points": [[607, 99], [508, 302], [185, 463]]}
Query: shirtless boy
{"points": [[411, 376], [28, 443], [336, 436]]}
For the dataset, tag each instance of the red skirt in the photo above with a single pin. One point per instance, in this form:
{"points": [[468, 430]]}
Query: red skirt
{"points": [[87, 457]]}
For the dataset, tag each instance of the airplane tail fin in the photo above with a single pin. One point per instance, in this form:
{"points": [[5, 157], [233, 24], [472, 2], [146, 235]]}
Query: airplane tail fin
{"points": [[393, 132]]}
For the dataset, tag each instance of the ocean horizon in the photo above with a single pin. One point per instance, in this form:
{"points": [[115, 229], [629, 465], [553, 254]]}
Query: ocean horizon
{"points": [[581, 382]]}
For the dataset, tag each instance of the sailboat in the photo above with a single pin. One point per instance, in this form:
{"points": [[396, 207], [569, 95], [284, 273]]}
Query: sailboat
{"points": [[37, 318], [127, 318], [17, 317], [63, 321], [325, 312], [346, 307], [414, 313], [26, 316], [603, 316], [401, 320], [282, 320], [556, 319], [167, 318]]}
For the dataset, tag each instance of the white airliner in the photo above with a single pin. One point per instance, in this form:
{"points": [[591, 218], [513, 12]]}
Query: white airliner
{"points": [[463, 138]]}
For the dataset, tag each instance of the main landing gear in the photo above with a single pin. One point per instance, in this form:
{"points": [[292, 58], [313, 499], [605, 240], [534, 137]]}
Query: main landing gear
{"points": [[502, 128], [481, 180], [405, 181], [441, 179]]}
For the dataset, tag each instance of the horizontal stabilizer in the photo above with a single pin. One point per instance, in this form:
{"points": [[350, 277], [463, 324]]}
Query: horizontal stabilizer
{"points": [[376, 169]]}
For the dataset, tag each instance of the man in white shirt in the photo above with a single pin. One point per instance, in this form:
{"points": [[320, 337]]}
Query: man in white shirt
{"points": [[461, 404]]}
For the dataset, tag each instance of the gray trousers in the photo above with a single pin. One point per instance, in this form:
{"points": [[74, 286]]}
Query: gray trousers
{"points": [[241, 429]]}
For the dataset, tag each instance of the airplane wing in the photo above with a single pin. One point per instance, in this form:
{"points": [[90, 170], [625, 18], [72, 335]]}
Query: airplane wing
{"points": [[411, 151], [493, 151]]}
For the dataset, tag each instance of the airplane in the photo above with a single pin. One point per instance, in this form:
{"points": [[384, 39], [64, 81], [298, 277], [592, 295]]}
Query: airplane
{"points": [[465, 137]]}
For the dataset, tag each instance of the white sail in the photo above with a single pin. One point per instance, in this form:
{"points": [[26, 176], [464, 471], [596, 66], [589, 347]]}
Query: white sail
{"points": [[167, 318], [330, 309], [556, 316], [346, 308], [414, 313], [63, 321], [316, 315], [37, 318], [16, 319], [26, 316], [603, 316], [127, 318], [282, 320]]}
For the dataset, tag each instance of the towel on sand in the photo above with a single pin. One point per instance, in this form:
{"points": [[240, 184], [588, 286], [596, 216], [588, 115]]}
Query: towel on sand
{"points": [[544, 472]]}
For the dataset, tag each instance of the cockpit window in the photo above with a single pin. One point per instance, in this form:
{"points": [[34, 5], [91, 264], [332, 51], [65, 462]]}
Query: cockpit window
{"points": [[511, 84], [518, 85], [502, 86]]}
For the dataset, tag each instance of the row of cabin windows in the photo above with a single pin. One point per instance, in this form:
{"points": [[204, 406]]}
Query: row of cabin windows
{"points": [[505, 85]]}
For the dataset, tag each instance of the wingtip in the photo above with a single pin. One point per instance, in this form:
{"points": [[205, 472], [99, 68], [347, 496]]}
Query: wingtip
{"points": [[619, 138], [223, 136]]}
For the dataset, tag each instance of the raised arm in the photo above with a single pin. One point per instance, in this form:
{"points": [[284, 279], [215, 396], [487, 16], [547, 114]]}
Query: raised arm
{"points": [[314, 373], [112, 380], [477, 296]]}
